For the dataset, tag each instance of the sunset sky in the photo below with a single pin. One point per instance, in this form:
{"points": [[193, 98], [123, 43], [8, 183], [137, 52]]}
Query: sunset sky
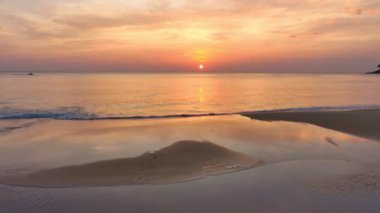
{"points": [[179, 35]]}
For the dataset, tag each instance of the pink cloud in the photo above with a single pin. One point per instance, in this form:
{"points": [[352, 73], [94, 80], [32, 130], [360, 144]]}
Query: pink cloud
{"points": [[357, 10]]}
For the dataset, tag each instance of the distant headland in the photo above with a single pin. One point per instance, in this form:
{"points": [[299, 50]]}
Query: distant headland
{"points": [[375, 72]]}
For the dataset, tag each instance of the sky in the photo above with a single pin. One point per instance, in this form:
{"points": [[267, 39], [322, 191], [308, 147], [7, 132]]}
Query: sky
{"points": [[179, 35]]}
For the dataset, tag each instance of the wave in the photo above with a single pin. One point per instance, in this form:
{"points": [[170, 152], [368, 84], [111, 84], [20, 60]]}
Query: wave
{"points": [[79, 113], [64, 113]]}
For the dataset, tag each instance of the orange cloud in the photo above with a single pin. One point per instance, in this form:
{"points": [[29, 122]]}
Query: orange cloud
{"points": [[176, 34]]}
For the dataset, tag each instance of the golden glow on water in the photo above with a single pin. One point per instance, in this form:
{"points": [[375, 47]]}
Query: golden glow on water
{"points": [[201, 94]]}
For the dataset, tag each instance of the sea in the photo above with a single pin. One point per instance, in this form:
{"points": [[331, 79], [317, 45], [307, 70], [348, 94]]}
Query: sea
{"points": [[89, 96]]}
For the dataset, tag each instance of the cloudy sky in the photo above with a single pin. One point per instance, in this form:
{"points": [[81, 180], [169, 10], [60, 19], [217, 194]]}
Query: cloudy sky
{"points": [[178, 35]]}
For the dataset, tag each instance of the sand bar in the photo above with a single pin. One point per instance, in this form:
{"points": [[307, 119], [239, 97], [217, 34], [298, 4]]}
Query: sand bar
{"points": [[179, 162]]}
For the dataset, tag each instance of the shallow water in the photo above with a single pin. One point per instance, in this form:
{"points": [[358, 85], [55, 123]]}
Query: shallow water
{"points": [[53, 143]]}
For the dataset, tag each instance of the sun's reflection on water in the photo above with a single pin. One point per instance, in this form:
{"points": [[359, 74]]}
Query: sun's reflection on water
{"points": [[201, 92]]}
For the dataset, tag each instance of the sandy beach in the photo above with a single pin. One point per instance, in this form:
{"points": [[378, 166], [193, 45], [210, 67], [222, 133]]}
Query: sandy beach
{"points": [[204, 164], [362, 123]]}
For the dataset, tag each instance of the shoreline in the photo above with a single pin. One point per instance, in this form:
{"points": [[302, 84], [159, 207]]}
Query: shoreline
{"points": [[71, 113], [361, 121]]}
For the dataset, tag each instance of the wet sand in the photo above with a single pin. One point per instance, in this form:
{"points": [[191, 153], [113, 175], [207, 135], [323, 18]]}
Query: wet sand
{"points": [[282, 187], [98, 166], [179, 162], [366, 180], [362, 123]]}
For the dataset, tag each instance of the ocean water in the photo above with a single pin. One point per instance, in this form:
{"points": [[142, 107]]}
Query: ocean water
{"points": [[89, 96]]}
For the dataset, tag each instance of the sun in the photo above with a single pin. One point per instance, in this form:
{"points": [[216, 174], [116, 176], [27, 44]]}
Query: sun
{"points": [[201, 67]]}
